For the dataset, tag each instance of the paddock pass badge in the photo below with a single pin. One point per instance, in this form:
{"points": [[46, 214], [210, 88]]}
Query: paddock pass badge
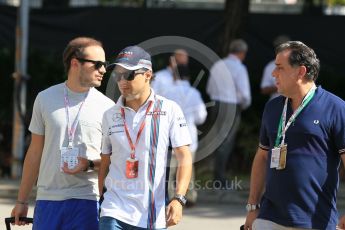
{"points": [[132, 165]]}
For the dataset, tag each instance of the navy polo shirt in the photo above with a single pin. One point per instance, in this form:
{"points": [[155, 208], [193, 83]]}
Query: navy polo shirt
{"points": [[304, 193]]}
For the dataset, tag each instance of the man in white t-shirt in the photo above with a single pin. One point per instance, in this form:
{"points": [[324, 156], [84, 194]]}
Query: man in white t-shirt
{"points": [[136, 136], [66, 144]]}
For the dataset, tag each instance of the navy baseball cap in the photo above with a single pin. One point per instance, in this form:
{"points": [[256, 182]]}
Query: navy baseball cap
{"points": [[132, 58]]}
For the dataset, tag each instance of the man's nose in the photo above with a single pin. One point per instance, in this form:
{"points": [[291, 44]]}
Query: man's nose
{"points": [[102, 70]]}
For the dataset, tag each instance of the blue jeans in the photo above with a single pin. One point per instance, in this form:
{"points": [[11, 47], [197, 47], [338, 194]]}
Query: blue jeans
{"points": [[110, 223]]}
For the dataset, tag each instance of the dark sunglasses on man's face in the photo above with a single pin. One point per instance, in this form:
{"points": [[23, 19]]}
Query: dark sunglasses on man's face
{"points": [[98, 64], [128, 75]]}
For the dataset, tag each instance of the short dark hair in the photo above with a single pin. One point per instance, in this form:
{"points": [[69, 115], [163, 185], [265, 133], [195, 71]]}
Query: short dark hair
{"points": [[302, 55], [75, 48]]}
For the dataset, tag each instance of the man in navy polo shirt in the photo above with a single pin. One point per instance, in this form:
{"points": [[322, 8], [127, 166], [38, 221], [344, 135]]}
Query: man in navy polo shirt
{"points": [[294, 177]]}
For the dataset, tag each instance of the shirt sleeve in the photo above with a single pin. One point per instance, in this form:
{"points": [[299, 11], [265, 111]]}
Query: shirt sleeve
{"points": [[338, 128], [179, 132], [210, 86], [264, 139], [106, 144], [200, 112], [243, 88], [37, 124]]}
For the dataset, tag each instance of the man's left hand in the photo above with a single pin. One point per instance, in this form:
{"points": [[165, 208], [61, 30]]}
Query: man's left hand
{"points": [[173, 213], [82, 165], [341, 223]]}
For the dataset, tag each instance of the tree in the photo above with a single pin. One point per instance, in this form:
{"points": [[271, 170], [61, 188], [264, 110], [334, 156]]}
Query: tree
{"points": [[235, 18]]}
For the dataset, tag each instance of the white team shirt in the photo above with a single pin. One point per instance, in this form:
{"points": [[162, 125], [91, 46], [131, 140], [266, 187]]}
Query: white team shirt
{"points": [[127, 199], [229, 82]]}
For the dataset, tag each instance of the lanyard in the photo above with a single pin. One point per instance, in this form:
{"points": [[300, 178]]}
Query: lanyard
{"points": [[282, 129], [139, 132], [72, 128]]}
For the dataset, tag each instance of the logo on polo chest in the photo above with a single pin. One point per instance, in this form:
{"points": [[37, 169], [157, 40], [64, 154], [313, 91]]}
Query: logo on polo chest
{"points": [[117, 117], [160, 113]]}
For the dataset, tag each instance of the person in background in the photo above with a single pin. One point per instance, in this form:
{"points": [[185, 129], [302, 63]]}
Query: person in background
{"points": [[235, 76], [164, 78], [194, 109], [268, 83]]}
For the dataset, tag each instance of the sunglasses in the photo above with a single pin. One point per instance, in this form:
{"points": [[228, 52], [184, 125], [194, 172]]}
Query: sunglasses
{"points": [[128, 75], [98, 64]]}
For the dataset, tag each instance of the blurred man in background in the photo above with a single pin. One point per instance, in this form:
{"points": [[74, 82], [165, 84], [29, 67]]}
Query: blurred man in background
{"points": [[233, 102]]}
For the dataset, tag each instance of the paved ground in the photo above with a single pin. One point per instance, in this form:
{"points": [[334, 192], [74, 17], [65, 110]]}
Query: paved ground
{"points": [[6, 206], [202, 217], [216, 209], [212, 216]]}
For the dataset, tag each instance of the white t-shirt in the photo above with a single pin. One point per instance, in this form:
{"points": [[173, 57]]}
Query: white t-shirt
{"points": [[192, 105], [128, 199], [229, 82], [267, 79], [49, 119]]}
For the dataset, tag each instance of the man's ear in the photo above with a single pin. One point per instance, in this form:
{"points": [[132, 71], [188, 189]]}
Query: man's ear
{"points": [[148, 75], [302, 71], [74, 62]]}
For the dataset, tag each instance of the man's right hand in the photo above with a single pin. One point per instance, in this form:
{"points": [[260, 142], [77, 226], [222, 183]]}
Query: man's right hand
{"points": [[20, 210], [251, 216]]}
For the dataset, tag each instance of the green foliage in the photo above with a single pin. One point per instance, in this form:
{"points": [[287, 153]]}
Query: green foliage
{"points": [[44, 71], [247, 140], [336, 2]]}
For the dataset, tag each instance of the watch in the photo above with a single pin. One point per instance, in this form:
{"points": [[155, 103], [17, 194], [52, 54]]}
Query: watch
{"points": [[90, 166], [180, 198], [252, 207]]}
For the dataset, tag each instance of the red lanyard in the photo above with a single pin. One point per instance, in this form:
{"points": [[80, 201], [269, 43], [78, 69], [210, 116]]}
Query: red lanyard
{"points": [[72, 127], [139, 132]]}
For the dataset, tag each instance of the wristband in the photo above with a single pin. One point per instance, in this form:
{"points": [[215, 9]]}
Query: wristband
{"points": [[22, 202]]}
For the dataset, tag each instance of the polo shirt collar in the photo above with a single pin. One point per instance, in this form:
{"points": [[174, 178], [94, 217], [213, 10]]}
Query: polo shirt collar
{"points": [[151, 98]]}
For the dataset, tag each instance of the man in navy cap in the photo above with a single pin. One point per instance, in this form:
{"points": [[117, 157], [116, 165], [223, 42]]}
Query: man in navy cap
{"points": [[136, 136]]}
